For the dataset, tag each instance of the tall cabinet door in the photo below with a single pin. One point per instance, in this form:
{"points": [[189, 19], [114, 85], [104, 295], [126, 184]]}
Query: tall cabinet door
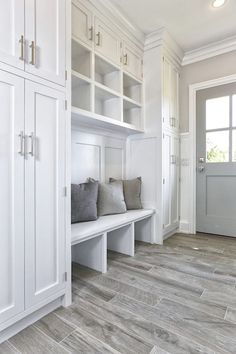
{"points": [[45, 33], [11, 196], [45, 188], [167, 181], [174, 180], [12, 32]]}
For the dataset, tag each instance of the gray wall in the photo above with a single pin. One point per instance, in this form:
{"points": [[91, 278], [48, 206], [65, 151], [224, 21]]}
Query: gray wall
{"points": [[219, 66]]}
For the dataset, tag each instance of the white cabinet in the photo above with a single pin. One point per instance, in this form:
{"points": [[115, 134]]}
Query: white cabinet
{"points": [[45, 199], [170, 96], [11, 196], [132, 60], [12, 32], [32, 194], [170, 182], [32, 37], [82, 25], [45, 39], [107, 42]]}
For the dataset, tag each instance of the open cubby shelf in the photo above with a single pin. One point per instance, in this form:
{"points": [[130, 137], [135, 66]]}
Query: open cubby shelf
{"points": [[107, 74], [101, 91]]}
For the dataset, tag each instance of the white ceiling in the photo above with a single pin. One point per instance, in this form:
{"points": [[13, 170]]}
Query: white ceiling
{"points": [[192, 23]]}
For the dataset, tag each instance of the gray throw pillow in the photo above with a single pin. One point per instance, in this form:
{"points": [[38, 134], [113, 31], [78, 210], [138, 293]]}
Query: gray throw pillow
{"points": [[111, 198], [84, 202], [132, 193]]}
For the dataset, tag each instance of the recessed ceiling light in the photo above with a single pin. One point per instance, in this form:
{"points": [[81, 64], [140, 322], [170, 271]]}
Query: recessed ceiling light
{"points": [[218, 3]]}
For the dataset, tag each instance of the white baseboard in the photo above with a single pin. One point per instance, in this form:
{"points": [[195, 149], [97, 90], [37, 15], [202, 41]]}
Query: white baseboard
{"points": [[29, 320], [184, 227]]}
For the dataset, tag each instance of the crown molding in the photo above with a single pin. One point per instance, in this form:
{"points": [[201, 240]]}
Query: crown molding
{"points": [[113, 13], [161, 38], [210, 51]]}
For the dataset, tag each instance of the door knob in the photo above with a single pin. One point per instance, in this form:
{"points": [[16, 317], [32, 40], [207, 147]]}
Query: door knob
{"points": [[201, 168]]}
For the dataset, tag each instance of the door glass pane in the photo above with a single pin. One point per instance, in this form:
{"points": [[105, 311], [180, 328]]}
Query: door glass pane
{"points": [[234, 110], [217, 146], [217, 113], [234, 146]]}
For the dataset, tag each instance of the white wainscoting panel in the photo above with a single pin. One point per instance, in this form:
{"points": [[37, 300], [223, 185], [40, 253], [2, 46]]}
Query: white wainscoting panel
{"points": [[97, 156], [114, 162]]}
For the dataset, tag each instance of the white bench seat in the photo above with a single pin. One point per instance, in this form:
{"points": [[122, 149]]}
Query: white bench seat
{"points": [[90, 240], [85, 230]]}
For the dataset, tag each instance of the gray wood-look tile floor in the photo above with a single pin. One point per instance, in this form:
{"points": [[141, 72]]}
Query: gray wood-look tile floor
{"points": [[177, 298]]}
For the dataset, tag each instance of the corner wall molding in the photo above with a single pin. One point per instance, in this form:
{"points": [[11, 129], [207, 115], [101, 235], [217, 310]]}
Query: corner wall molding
{"points": [[210, 51], [162, 38]]}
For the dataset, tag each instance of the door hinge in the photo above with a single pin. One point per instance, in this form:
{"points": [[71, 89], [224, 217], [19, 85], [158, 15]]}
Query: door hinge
{"points": [[66, 75], [65, 191], [66, 105], [66, 277], [164, 181]]}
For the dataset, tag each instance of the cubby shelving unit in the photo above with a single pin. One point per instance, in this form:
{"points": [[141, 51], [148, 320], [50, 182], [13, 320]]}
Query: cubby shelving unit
{"points": [[103, 94]]}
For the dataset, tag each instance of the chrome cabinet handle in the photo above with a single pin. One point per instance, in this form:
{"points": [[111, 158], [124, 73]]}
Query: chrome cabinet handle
{"points": [[91, 33], [98, 35], [173, 159], [22, 144], [33, 54], [172, 122], [31, 137], [22, 42], [126, 59]]}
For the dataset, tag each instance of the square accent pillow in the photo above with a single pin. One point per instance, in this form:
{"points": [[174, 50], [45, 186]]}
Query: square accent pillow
{"points": [[111, 198], [132, 193], [84, 202]]}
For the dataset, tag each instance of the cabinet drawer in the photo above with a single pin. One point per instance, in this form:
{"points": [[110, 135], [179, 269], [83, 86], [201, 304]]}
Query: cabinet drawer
{"points": [[107, 43]]}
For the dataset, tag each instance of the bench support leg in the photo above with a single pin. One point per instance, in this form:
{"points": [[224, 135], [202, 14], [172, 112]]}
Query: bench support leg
{"points": [[144, 230], [92, 253], [122, 240]]}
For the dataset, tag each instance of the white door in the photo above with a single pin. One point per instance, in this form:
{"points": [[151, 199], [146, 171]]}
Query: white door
{"points": [[132, 61], [107, 42], [12, 32], [44, 186], [11, 196], [216, 160], [45, 34], [82, 28]]}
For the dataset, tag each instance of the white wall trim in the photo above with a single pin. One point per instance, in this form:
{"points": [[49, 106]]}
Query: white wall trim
{"points": [[192, 140], [210, 51]]}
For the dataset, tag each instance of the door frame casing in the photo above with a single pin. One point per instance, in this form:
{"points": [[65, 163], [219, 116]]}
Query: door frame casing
{"points": [[193, 89]]}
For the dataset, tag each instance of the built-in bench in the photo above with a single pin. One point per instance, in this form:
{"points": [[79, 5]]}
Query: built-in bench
{"points": [[90, 240]]}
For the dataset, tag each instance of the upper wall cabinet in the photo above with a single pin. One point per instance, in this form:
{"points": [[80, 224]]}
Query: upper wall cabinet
{"points": [[107, 42], [170, 95], [32, 37], [132, 61], [82, 28], [12, 32], [45, 39]]}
